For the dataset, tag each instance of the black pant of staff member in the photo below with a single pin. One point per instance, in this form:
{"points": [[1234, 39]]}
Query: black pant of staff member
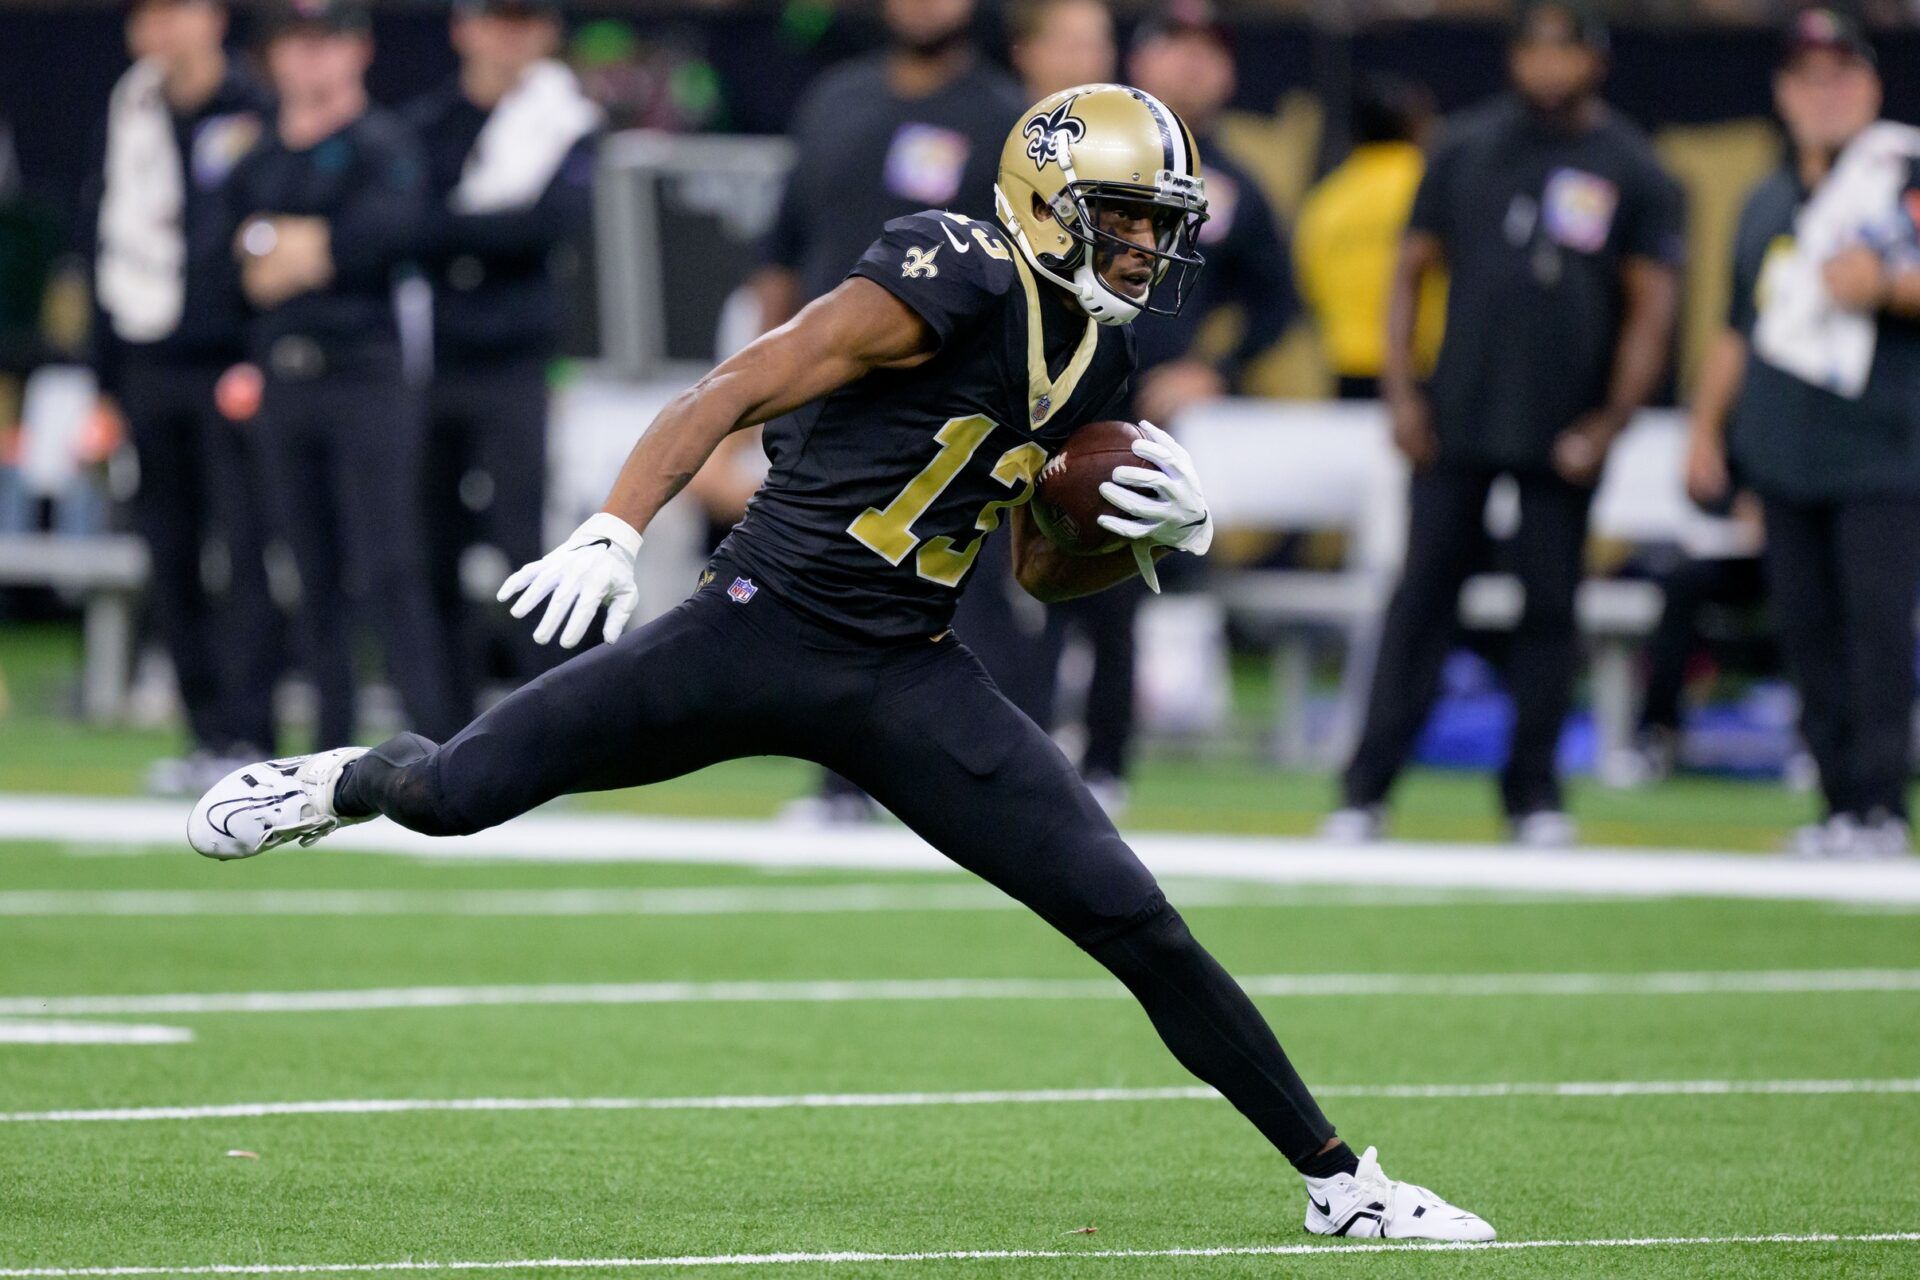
{"points": [[199, 475], [1562, 236], [343, 454]]}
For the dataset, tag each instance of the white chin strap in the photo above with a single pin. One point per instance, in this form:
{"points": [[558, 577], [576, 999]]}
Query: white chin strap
{"points": [[1097, 300]]}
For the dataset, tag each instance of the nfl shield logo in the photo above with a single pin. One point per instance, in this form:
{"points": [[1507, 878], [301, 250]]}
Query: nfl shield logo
{"points": [[1041, 408], [742, 590]]}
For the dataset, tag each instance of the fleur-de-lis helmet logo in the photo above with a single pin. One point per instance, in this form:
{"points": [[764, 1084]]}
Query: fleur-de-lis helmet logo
{"points": [[1042, 129]]}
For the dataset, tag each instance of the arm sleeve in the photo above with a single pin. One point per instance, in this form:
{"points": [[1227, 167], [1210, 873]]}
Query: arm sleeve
{"points": [[1433, 198], [103, 344], [1261, 279], [919, 259], [1744, 277], [786, 242], [379, 227], [1656, 220], [564, 210]]}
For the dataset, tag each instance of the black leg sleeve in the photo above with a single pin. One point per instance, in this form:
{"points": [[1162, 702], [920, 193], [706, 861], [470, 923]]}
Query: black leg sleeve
{"points": [[1215, 1031], [982, 784]]}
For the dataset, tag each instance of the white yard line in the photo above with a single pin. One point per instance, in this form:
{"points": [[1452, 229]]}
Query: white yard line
{"points": [[973, 1098], [697, 901], [951, 1255], [55, 1031], [1727, 982], [553, 837]]}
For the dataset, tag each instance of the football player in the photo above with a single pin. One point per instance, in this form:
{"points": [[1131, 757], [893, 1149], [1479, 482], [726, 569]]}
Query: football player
{"points": [[909, 412]]}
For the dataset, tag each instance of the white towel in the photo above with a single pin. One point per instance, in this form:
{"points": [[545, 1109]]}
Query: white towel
{"points": [[523, 142], [140, 273], [1800, 329]]}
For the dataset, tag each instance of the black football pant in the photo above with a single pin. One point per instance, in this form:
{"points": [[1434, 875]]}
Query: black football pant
{"points": [[1015, 637], [917, 724], [485, 482], [198, 480], [343, 450], [1446, 543], [1843, 577]]}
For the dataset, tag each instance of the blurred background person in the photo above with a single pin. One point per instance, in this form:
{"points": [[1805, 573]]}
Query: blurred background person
{"points": [[166, 326], [1347, 237], [510, 147], [1184, 57], [1820, 366], [1058, 44], [1563, 237], [915, 126], [327, 209]]}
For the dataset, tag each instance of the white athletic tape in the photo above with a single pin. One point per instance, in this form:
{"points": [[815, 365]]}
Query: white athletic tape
{"points": [[952, 1255], [974, 1098], [1352, 985], [544, 837]]}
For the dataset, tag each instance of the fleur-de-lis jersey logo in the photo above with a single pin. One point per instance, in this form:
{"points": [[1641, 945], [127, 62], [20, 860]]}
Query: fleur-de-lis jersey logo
{"points": [[919, 263], [1041, 130]]}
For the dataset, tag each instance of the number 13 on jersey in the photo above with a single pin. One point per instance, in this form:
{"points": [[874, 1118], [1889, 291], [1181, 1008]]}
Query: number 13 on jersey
{"points": [[888, 532]]}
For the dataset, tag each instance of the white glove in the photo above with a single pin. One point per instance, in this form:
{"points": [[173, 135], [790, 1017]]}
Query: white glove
{"points": [[1161, 505], [592, 568]]}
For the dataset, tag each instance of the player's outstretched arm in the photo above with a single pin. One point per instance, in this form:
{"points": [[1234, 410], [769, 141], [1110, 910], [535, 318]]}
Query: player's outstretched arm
{"points": [[857, 328], [839, 338]]}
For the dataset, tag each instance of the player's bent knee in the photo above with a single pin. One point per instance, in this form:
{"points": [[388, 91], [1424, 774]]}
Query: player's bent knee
{"points": [[1154, 925]]}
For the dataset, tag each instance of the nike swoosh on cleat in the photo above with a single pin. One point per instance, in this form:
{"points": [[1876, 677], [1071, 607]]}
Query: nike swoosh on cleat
{"points": [[1324, 1211], [237, 807]]}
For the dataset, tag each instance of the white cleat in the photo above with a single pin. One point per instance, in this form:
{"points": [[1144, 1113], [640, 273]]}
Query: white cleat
{"points": [[263, 806], [1368, 1204]]}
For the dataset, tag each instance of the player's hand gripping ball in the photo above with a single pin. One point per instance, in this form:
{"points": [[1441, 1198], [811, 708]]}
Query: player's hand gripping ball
{"points": [[1067, 504], [1116, 482]]}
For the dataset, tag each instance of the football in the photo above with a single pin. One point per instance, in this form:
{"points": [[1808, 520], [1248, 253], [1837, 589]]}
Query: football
{"points": [[1067, 502]]}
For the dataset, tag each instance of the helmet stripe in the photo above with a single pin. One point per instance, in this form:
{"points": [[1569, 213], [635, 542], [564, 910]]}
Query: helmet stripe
{"points": [[1173, 141]]}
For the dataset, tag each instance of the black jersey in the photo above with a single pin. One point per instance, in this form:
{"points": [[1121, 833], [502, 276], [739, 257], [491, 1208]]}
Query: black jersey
{"points": [[881, 493]]}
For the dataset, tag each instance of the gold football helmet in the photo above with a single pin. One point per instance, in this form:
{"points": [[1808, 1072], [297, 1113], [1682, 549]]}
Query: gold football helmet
{"points": [[1093, 145]]}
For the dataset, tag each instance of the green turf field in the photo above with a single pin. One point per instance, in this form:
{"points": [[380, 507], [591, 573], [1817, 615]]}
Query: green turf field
{"points": [[708, 1179]]}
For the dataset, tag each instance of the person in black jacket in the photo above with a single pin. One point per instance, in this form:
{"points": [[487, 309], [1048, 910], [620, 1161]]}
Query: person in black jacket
{"points": [[510, 162], [327, 209], [165, 328]]}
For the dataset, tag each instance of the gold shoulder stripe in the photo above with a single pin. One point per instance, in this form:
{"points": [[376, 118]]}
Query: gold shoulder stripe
{"points": [[1046, 395]]}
